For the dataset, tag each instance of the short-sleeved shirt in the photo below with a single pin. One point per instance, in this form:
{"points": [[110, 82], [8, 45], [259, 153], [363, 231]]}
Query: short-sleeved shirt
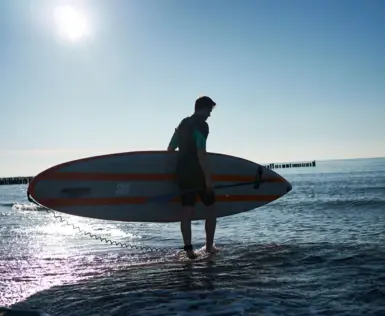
{"points": [[192, 134]]}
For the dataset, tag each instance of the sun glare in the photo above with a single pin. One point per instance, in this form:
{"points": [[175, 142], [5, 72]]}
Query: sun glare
{"points": [[71, 23]]}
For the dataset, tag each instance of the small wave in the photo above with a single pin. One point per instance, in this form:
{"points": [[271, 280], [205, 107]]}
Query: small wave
{"points": [[342, 204], [7, 204], [25, 207]]}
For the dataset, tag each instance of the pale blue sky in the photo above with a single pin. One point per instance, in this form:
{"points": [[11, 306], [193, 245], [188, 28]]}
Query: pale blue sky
{"points": [[293, 80]]}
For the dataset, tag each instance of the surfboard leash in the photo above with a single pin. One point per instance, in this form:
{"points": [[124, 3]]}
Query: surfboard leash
{"points": [[164, 198], [97, 237]]}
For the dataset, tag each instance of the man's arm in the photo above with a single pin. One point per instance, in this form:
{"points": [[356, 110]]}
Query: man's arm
{"points": [[200, 140], [173, 142]]}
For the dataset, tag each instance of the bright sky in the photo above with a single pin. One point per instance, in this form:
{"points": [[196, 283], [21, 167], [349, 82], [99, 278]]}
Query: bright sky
{"points": [[293, 80]]}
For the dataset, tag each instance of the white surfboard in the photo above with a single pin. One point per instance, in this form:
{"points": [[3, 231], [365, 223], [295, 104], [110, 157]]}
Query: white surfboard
{"points": [[141, 187]]}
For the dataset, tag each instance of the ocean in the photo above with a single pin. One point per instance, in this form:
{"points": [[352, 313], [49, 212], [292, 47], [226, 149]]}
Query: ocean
{"points": [[320, 250]]}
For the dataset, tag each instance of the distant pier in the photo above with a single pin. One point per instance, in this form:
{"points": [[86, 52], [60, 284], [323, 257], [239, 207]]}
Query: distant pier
{"points": [[15, 180], [291, 165]]}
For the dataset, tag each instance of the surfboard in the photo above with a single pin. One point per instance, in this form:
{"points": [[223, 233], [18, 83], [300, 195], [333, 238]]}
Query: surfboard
{"points": [[140, 186]]}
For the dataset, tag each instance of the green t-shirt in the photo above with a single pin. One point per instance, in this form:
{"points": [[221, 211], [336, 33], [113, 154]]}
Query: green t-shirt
{"points": [[190, 135]]}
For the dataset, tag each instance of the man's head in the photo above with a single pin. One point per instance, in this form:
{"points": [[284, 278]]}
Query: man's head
{"points": [[204, 106]]}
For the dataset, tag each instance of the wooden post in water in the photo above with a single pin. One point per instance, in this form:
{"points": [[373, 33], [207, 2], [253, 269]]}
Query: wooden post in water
{"points": [[286, 165], [15, 180]]}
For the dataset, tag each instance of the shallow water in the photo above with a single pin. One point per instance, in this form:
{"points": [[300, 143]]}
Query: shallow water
{"points": [[317, 251]]}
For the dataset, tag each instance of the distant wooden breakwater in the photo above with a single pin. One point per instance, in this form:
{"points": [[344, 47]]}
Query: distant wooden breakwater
{"points": [[15, 180], [291, 165], [26, 180]]}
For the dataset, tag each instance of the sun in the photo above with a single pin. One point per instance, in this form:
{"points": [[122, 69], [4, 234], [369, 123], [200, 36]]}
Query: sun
{"points": [[71, 23]]}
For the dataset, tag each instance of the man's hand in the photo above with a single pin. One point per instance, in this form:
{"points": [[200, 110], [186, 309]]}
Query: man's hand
{"points": [[173, 145]]}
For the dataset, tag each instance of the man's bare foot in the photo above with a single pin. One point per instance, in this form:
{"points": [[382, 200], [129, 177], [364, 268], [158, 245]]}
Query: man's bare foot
{"points": [[211, 249], [191, 254]]}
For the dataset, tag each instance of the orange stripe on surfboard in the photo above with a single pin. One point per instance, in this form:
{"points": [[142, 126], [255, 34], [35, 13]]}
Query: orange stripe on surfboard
{"points": [[65, 202], [94, 176]]}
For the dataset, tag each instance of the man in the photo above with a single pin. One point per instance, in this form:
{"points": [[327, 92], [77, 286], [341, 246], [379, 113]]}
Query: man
{"points": [[193, 172]]}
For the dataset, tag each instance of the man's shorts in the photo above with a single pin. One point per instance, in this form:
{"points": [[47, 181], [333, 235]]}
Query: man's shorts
{"points": [[191, 179]]}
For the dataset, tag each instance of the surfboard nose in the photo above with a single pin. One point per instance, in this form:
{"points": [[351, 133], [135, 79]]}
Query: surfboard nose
{"points": [[289, 187]]}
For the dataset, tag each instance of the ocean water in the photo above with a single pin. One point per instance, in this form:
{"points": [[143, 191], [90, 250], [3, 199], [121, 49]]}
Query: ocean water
{"points": [[320, 250]]}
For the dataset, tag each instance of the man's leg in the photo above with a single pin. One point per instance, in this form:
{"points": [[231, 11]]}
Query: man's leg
{"points": [[208, 199], [188, 206], [187, 182], [185, 227], [210, 226]]}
